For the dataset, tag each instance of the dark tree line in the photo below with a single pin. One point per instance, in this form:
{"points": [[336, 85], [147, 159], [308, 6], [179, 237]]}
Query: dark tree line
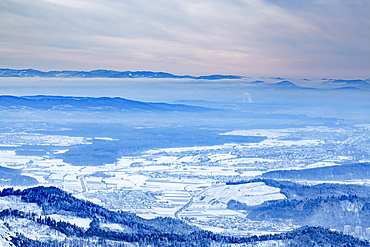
{"points": [[94, 236]]}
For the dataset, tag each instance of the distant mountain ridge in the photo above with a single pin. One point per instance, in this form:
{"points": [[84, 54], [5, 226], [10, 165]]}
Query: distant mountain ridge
{"points": [[288, 85], [349, 84], [44, 102], [101, 73]]}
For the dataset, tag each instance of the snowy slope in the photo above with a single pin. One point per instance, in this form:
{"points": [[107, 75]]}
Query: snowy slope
{"points": [[5, 236], [250, 194]]}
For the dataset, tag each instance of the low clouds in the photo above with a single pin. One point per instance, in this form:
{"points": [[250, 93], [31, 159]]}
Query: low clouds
{"points": [[247, 37]]}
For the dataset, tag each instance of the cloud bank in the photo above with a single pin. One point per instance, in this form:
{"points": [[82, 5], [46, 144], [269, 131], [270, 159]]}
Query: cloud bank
{"points": [[293, 38]]}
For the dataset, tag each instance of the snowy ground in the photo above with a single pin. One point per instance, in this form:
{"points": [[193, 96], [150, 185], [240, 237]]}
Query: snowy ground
{"points": [[186, 182]]}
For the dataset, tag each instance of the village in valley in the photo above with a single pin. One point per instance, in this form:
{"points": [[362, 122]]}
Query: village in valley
{"points": [[190, 183]]}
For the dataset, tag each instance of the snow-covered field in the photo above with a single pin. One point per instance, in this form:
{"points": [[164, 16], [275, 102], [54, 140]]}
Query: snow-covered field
{"points": [[10, 159], [23, 138], [210, 201], [187, 182], [250, 194]]}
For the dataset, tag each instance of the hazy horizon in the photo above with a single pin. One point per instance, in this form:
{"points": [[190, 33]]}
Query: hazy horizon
{"points": [[295, 39]]}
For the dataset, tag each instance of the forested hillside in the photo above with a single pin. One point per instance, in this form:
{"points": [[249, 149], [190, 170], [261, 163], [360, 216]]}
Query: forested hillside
{"points": [[138, 231]]}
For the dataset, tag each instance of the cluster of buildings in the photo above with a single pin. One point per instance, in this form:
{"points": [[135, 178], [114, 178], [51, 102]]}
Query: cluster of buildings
{"points": [[357, 231]]}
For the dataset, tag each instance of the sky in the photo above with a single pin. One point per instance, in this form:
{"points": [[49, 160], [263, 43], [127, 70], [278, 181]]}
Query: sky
{"points": [[287, 38]]}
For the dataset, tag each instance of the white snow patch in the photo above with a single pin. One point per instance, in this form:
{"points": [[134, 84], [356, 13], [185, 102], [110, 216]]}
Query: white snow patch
{"points": [[267, 243], [138, 180], [250, 194], [166, 160], [5, 237], [322, 164], [245, 160], [81, 222], [344, 157], [15, 203], [105, 139], [259, 132], [189, 159], [115, 227], [23, 138], [279, 143], [9, 158], [61, 151], [33, 230], [127, 161], [189, 149], [221, 157]]}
